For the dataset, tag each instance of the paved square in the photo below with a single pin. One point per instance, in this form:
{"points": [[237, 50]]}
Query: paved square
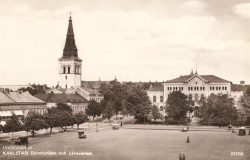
{"points": [[154, 143]]}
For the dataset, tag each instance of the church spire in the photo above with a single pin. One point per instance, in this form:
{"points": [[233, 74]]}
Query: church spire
{"points": [[70, 49]]}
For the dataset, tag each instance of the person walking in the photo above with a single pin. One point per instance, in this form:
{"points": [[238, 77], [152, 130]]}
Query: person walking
{"points": [[180, 157], [121, 123], [183, 157], [188, 140]]}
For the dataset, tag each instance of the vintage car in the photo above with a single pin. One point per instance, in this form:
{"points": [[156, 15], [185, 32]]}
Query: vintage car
{"points": [[21, 141], [81, 134], [115, 126], [242, 131]]}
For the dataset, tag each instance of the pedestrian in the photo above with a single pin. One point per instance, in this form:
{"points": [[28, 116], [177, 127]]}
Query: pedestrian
{"points": [[183, 157], [180, 157], [121, 123], [188, 139], [187, 128]]}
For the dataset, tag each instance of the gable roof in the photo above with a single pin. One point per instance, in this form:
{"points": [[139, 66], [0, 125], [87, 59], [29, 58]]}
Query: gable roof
{"points": [[93, 84], [64, 98], [156, 87], [208, 78], [19, 98]]}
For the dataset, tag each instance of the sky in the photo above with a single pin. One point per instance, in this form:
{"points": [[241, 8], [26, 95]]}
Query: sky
{"points": [[132, 40]]}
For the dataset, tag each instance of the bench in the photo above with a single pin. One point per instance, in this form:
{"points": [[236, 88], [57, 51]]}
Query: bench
{"points": [[81, 134], [21, 141]]}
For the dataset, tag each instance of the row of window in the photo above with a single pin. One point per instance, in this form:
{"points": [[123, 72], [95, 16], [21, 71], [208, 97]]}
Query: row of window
{"points": [[175, 88], [96, 99], [218, 88], [154, 98], [78, 108], [196, 97], [77, 69], [196, 88]]}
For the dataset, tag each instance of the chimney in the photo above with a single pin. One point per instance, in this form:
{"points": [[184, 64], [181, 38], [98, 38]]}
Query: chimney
{"points": [[7, 90], [20, 91], [242, 83]]}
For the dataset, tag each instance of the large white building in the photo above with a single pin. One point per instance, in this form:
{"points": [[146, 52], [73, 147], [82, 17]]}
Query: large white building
{"points": [[194, 86]]}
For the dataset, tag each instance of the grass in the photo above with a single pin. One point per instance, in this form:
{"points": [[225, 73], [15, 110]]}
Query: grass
{"points": [[136, 144]]}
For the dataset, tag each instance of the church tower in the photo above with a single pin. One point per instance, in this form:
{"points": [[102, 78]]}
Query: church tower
{"points": [[70, 65]]}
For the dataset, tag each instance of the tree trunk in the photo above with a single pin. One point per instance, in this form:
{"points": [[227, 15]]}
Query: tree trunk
{"points": [[50, 130], [77, 126], [12, 136], [33, 133]]}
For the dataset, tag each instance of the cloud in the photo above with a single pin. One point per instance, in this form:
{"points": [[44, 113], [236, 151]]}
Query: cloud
{"points": [[243, 9], [192, 7]]}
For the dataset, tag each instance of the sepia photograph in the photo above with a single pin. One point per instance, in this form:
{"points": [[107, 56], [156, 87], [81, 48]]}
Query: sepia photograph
{"points": [[125, 79]]}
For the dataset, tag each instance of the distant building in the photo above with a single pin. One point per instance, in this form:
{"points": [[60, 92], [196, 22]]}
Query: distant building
{"points": [[15, 87], [87, 93], [75, 101], [156, 96], [237, 90], [19, 103]]}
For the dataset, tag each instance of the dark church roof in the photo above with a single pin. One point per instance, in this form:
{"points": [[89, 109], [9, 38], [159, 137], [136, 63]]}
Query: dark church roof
{"points": [[70, 49]]}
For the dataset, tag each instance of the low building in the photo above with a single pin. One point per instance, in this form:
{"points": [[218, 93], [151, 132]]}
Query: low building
{"points": [[87, 93], [237, 90], [75, 101], [19, 103], [155, 93]]}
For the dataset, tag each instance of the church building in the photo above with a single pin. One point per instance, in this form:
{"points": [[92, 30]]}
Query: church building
{"points": [[70, 65]]}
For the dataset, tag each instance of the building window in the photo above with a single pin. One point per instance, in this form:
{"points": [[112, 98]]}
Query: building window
{"points": [[66, 85], [68, 69], [203, 88], [161, 108], [196, 97], [190, 97], [161, 98], [65, 77], [154, 99], [219, 88], [64, 69], [225, 88], [202, 96], [195, 88], [216, 88]]}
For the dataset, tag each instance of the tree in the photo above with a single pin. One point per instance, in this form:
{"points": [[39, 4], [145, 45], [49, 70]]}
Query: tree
{"points": [[65, 119], [244, 103], [138, 103], [155, 113], [93, 109], [52, 120], [64, 107], [80, 117], [34, 121], [108, 111], [177, 105], [13, 125]]}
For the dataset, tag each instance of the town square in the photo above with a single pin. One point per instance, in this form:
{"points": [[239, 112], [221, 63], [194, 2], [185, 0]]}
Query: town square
{"points": [[122, 79]]}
